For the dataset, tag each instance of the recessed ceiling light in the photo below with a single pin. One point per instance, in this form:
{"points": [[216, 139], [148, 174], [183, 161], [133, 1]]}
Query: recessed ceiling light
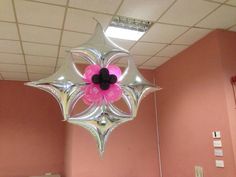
{"points": [[127, 28], [122, 33]]}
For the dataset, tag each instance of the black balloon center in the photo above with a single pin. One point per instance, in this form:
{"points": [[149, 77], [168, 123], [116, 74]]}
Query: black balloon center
{"points": [[104, 79]]}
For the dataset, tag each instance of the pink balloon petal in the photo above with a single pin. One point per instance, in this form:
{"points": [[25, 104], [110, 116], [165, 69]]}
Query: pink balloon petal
{"points": [[90, 71], [113, 94], [113, 69], [93, 94]]}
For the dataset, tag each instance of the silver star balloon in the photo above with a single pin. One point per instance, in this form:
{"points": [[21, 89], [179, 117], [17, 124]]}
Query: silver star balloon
{"points": [[63, 85], [100, 120], [99, 49], [67, 84]]}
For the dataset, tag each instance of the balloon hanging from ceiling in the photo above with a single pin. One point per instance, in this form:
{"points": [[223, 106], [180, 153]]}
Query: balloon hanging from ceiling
{"points": [[99, 87]]}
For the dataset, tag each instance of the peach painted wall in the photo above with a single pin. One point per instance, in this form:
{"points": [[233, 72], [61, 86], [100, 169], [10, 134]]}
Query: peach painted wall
{"points": [[31, 132], [131, 150], [191, 105], [227, 42]]}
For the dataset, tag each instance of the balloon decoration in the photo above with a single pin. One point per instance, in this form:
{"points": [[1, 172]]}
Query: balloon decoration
{"points": [[98, 87]]}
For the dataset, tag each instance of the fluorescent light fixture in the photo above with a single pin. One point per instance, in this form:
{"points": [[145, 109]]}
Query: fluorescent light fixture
{"points": [[127, 28], [121, 33]]}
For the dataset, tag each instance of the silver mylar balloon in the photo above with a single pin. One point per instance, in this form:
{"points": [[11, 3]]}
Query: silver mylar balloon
{"points": [[100, 120], [63, 85], [66, 85], [99, 49]]}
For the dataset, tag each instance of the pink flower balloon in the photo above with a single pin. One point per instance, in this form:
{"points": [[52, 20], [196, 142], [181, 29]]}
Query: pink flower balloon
{"points": [[90, 71], [93, 93], [113, 69]]}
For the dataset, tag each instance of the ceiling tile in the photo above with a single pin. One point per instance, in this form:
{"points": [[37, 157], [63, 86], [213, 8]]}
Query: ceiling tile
{"points": [[39, 14], [192, 36], [149, 10], [60, 61], [156, 61], [8, 31], [36, 76], [64, 51], [58, 2], [82, 21], [40, 69], [145, 48], [224, 17], [11, 58], [19, 76], [126, 44], [231, 2], [233, 28], [74, 39], [12, 68], [39, 34], [10, 46], [104, 6], [76, 60], [137, 59], [171, 50], [147, 67], [185, 12], [219, 1], [163, 33], [6, 11], [40, 49], [41, 61]]}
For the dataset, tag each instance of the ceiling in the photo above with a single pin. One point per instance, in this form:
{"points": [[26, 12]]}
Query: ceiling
{"points": [[34, 34]]}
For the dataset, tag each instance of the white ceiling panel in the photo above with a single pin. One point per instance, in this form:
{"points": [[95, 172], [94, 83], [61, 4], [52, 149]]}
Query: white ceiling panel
{"points": [[20, 76], [145, 48], [163, 33], [82, 21], [186, 12], [219, 1], [41, 61], [137, 59], [233, 28], [40, 49], [58, 2], [6, 11], [171, 50], [11, 58], [8, 31], [192, 36], [36, 76], [231, 2], [39, 34], [74, 39], [39, 14], [126, 44], [42, 30], [12, 68], [156, 61], [40, 69], [147, 67], [223, 18], [149, 10], [10, 46], [103, 6], [64, 51]]}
